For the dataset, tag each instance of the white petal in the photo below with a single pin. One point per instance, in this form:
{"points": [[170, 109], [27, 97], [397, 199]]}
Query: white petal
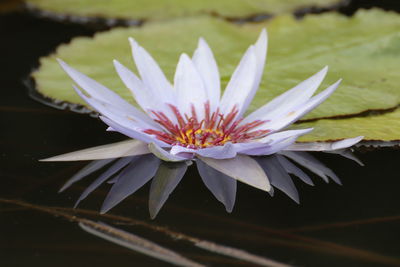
{"points": [[121, 122], [293, 115], [270, 140], [241, 168], [278, 136], [345, 143], [121, 116], [268, 149], [133, 132], [116, 150], [260, 50], [290, 99], [206, 65], [241, 83], [151, 74], [325, 146], [100, 92], [135, 85], [163, 154], [272, 143], [190, 88], [145, 97], [217, 152]]}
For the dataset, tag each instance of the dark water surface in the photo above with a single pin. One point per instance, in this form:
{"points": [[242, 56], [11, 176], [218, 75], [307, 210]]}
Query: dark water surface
{"points": [[356, 224]]}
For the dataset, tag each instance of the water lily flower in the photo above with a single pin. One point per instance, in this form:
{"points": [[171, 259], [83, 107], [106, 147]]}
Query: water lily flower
{"points": [[190, 121]]}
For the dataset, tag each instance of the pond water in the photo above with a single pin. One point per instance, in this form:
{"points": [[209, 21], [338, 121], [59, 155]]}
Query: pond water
{"points": [[356, 224]]}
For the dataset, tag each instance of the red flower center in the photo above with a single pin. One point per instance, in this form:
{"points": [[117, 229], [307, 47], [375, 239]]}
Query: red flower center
{"points": [[215, 129]]}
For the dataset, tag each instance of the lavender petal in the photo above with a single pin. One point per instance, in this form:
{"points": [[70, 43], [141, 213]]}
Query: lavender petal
{"points": [[308, 161], [87, 170], [133, 177], [166, 179], [293, 169], [116, 167], [221, 186], [278, 176]]}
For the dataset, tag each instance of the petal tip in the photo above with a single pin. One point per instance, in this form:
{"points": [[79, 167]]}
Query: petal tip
{"points": [[133, 43], [153, 214], [63, 64], [264, 33], [104, 210], [62, 189], [202, 41], [229, 209]]}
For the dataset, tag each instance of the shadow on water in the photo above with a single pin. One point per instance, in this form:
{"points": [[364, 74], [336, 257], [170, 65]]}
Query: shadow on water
{"points": [[356, 224]]}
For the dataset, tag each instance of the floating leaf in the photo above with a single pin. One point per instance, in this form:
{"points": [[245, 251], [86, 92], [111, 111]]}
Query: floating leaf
{"points": [[385, 127], [363, 49], [161, 9]]}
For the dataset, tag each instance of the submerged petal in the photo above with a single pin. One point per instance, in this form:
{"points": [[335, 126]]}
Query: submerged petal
{"points": [[293, 169], [278, 176], [309, 162], [133, 177], [87, 170], [346, 153], [223, 187], [166, 179], [116, 167], [242, 168]]}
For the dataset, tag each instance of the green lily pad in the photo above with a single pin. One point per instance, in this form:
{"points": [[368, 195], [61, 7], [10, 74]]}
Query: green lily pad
{"points": [[363, 49], [384, 127], [162, 9]]}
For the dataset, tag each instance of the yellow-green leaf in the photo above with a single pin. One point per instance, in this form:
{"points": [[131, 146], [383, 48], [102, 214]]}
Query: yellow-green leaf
{"points": [[162, 9], [363, 50], [384, 127]]}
